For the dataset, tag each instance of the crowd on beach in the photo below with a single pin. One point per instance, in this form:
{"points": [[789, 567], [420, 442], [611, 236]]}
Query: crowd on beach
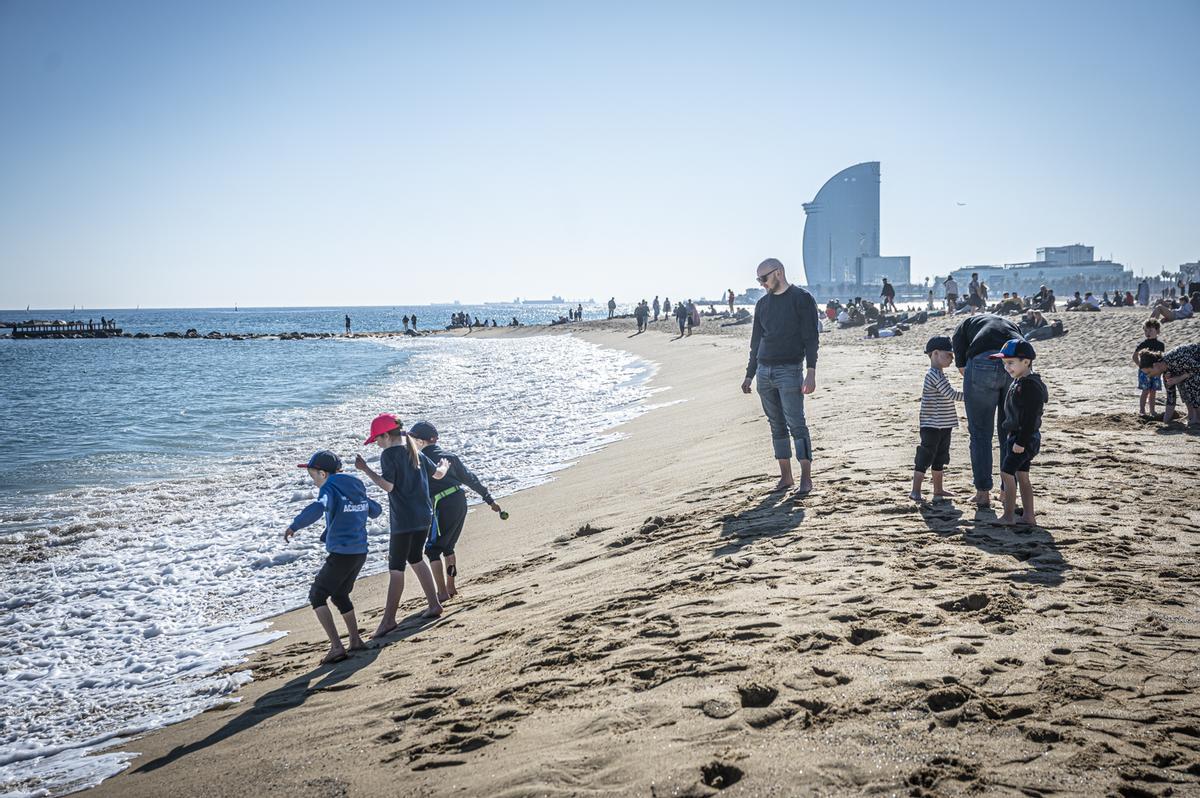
{"points": [[687, 314]]}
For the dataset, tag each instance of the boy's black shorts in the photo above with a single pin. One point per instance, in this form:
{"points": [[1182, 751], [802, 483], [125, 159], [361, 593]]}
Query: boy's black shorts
{"points": [[1011, 462], [335, 580], [934, 449]]}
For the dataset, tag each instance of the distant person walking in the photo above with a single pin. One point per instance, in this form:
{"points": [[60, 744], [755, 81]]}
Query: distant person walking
{"points": [[612, 306], [985, 383], [657, 307], [783, 341], [693, 316], [347, 324], [405, 320], [888, 294], [681, 316], [730, 293], [951, 294]]}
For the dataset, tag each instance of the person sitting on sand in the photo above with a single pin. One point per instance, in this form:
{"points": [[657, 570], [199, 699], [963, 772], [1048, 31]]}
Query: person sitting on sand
{"points": [[1180, 372], [343, 501], [449, 501], [1167, 311], [1149, 386], [938, 417], [1074, 302], [405, 479], [1023, 405]]}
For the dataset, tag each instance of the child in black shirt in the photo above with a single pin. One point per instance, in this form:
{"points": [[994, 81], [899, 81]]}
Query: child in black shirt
{"points": [[1022, 425], [1148, 385]]}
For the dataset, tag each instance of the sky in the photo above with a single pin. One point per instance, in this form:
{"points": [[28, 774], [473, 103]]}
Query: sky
{"points": [[312, 153]]}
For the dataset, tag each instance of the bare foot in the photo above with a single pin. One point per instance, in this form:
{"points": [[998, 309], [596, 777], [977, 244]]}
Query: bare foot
{"points": [[336, 654], [1028, 520], [357, 644], [805, 486], [916, 496], [385, 629], [1006, 520], [451, 590], [443, 597], [782, 485], [983, 498], [943, 495], [432, 612]]}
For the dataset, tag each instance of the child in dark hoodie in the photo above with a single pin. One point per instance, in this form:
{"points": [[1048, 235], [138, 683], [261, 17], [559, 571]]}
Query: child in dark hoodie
{"points": [[343, 500], [1023, 404], [449, 507]]}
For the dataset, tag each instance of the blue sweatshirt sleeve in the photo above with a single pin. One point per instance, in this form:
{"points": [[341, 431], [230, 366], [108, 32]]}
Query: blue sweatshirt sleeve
{"points": [[374, 510], [310, 514]]}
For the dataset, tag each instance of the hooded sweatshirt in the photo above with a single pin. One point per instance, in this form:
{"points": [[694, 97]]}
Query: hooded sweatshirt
{"points": [[1023, 407], [458, 474], [344, 502]]}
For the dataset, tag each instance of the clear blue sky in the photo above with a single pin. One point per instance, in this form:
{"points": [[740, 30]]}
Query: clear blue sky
{"points": [[296, 153]]}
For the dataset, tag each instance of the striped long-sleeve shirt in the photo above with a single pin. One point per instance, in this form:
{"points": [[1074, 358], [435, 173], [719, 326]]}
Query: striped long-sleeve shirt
{"points": [[937, 401]]}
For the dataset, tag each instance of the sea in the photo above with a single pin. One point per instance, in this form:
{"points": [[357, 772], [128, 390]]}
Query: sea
{"points": [[145, 485]]}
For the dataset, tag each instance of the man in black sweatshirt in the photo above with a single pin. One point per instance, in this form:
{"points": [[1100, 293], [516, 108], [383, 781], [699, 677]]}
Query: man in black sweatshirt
{"points": [[783, 341], [984, 385]]}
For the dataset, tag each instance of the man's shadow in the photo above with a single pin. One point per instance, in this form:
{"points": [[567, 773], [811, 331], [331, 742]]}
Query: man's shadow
{"points": [[772, 517], [1028, 544], [292, 694]]}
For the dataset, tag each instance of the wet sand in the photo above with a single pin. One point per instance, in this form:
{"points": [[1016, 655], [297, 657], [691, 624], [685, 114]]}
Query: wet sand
{"points": [[656, 622]]}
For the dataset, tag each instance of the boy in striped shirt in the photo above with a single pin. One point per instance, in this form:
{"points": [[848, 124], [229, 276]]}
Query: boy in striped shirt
{"points": [[939, 417]]}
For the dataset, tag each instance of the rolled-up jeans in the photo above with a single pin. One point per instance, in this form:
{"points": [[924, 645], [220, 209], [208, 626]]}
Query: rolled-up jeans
{"points": [[780, 389], [985, 383]]}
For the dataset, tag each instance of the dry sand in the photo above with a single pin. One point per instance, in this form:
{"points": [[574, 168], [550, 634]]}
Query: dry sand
{"points": [[655, 622]]}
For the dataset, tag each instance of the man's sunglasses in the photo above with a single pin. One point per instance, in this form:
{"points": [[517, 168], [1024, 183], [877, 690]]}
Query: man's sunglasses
{"points": [[763, 279]]}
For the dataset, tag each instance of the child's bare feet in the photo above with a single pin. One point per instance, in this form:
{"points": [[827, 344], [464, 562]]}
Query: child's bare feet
{"points": [[783, 484], [983, 498], [433, 612], [336, 654], [943, 496], [1006, 520], [386, 627], [444, 597], [916, 496], [1028, 520], [805, 486]]}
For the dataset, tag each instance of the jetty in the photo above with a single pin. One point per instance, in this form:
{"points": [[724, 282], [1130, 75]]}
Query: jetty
{"points": [[107, 328]]}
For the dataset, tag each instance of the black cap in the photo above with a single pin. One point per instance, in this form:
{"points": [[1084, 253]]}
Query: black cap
{"points": [[423, 430], [938, 343], [324, 460]]}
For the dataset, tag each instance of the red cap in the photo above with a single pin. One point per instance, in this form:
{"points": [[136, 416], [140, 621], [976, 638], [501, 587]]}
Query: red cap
{"points": [[384, 422]]}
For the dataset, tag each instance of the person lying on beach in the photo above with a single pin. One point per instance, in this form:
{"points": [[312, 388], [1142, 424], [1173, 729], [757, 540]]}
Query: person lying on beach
{"points": [[449, 501], [1180, 372], [938, 418], [343, 501], [1023, 405], [405, 479]]}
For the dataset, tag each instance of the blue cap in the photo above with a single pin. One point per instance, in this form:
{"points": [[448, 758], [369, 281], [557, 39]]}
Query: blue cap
{"points": [[423, 430], [1015, 347], [324, 460]]}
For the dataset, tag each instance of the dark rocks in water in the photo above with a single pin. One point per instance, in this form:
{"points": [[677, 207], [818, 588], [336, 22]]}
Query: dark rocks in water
{"points": [[171, 335], [141, 335], [214, 336], [191, 333], [235, 338]]}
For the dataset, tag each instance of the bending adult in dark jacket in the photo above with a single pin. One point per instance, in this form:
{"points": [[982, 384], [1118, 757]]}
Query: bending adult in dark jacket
{"points": [[985, 383], [783, 341], [449, 501]]}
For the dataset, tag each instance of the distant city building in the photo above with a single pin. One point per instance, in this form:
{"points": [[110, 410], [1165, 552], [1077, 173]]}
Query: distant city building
{"points": [[841, 233], [1066, 256], [1070, 268]]}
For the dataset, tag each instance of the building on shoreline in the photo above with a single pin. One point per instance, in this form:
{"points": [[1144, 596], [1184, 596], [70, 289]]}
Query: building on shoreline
{"points": [[1065, 269], [841, 236]]}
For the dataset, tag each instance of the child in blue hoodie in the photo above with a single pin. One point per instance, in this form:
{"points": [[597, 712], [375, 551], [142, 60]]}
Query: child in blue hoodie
{"points": [[343, 500]]}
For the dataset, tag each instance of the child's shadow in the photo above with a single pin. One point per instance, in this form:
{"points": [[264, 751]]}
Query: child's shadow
{"points": [[1028, 544], [294, 693]]}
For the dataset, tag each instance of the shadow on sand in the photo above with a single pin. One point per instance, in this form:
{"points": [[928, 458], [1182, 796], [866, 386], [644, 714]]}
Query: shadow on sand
{"points": [[777, 513], [323, 678], [1033, 545]]}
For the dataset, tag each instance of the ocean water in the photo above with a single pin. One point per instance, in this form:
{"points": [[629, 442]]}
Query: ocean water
{"points": [[315, 320], [144, 486]]}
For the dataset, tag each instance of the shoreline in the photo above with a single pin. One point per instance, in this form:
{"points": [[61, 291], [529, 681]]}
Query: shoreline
{"points": [[658, 618]]}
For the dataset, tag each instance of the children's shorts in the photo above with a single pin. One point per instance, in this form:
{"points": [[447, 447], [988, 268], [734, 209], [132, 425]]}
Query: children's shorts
{"points": [[1011, 462], [1146, 383], [934, 449]]}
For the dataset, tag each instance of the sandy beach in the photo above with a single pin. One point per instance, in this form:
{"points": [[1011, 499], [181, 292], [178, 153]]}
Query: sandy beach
{"points": [[655, 621]]}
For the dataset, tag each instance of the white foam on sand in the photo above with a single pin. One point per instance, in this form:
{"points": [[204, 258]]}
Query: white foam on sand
{"points": [[126, 607]]}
